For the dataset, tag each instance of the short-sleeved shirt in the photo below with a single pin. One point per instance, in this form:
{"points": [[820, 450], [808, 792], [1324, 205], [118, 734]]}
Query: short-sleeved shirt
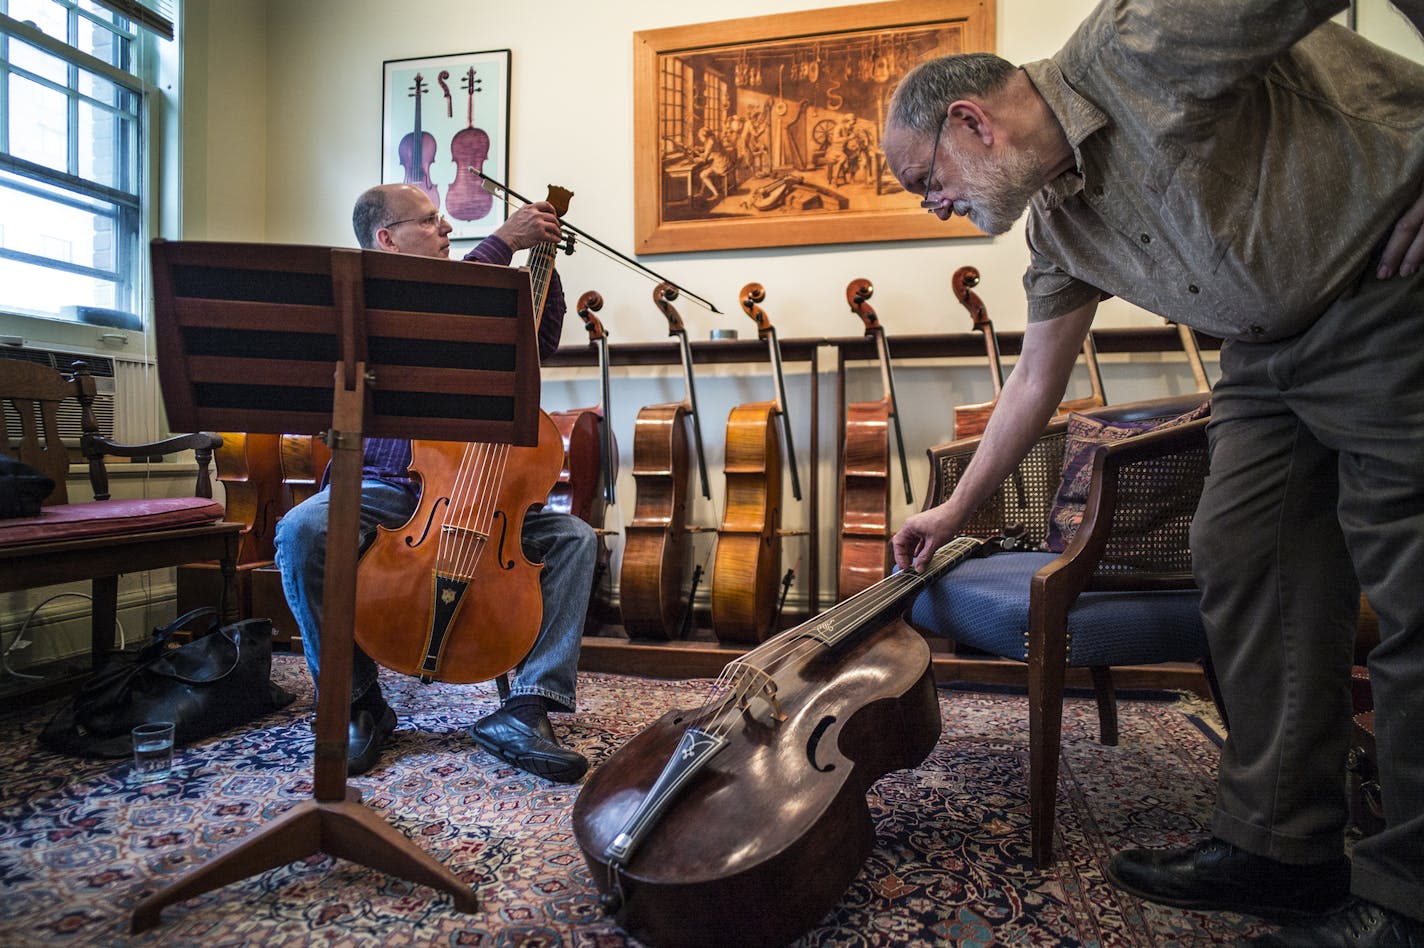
{"points": [[1236, 162], [388, 459]]}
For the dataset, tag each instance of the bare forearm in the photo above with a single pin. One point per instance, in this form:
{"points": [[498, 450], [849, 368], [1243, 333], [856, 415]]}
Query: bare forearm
{"points": [[1025, 405]]}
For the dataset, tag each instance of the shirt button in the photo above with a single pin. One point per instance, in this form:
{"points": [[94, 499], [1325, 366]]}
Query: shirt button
{"points": [[1098, 190], [1193, 288], [1146, 239], [1256, 330]]}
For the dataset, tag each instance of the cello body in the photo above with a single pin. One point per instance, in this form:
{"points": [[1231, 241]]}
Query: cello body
{"points": [[250, 469], [657, 549], [748, 557], [865, 555], [449, 595], [579, 489]]}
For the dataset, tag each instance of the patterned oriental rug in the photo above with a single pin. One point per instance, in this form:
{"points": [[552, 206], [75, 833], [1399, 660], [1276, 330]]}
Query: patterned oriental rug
{"points": [[81, 844]]}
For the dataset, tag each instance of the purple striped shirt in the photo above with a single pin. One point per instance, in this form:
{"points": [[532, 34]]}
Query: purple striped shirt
{"points": [[388, 459]]}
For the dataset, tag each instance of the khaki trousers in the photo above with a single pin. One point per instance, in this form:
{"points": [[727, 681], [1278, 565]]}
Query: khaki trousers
{"points": [[1316, 491]]}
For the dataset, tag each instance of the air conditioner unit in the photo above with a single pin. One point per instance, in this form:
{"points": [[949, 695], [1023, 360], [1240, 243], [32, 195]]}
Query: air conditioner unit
{"points": [[112, 380]]}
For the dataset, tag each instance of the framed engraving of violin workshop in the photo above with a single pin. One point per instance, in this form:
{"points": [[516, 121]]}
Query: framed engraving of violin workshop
{"points": [[444, 121], [765, 131]]}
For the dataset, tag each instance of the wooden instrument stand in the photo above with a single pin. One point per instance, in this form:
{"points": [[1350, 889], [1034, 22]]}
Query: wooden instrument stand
{"points": [[203, 300]]}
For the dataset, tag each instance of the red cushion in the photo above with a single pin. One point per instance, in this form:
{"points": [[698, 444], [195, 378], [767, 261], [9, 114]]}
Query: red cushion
{"points": [[107, 518]]}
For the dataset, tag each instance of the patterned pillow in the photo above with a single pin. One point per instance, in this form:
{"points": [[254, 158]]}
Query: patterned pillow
{"points": [[1084, 435]]}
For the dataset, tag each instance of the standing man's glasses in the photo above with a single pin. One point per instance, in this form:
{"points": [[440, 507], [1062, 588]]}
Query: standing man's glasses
{"points": [[934, 151]]}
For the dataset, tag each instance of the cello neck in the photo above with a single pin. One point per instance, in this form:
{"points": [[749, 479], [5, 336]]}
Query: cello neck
{"points": [[751, 295], [589, 304], [965, 278], [663, 295], [1194, 359], [541, 256], [1095, 377]]}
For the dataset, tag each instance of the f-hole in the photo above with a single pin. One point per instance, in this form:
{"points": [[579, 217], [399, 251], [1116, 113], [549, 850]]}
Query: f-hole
{"points": [[814, 741], [504, 564], [425, 532]]}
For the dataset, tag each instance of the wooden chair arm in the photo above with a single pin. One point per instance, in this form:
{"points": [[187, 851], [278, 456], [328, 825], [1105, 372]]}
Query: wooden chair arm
{"points": [[95, 447]]}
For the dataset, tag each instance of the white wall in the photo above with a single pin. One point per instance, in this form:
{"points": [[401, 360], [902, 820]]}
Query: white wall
{"points": [[314, 70]]}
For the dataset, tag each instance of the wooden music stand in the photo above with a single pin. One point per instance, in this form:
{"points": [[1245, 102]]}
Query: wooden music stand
{"points": [[248, 335]]}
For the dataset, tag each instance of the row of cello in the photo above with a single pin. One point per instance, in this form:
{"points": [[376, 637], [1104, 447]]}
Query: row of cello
{"points": [[658, 579]]}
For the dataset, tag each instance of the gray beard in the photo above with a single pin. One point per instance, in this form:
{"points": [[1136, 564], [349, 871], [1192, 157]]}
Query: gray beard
{"points": [[999, 191]]}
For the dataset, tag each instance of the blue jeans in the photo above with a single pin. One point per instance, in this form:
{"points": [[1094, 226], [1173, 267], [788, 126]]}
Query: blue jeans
{"points": [[566, 545]]}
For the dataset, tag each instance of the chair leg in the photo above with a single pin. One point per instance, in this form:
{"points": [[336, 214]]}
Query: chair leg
{"points": [[1107, 704], [1045, 736], [1215, 688]]}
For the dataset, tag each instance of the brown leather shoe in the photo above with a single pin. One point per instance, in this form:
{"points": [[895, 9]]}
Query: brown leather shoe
{"points": [[1217, 876]]}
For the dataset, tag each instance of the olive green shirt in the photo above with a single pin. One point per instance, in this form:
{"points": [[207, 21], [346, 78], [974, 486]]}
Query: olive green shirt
{"points": [[1237, 162]]}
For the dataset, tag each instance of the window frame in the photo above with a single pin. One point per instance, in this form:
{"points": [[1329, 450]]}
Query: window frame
{"points": [[130, 211]]}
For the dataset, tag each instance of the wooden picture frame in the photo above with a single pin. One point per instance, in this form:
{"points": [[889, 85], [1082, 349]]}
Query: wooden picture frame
{"points": [[765, 131], [462, 112]]}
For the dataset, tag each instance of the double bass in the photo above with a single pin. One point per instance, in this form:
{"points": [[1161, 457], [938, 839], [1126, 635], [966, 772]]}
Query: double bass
{"points": [[744, 820], [657, 550], [448, 595], [417, 149], [748, 558], [467, 199], [970, 420], [864, 552]]}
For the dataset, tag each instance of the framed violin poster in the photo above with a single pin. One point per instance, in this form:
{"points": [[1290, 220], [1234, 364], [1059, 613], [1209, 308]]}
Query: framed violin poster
{"points": [[444, 121], [765, 131]]}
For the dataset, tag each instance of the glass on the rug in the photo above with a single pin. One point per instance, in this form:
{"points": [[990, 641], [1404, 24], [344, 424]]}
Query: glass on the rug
{"points": [[152, 750]]}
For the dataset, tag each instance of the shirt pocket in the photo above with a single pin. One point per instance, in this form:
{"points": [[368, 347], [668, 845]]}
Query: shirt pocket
{"points": [[1200, 207]]}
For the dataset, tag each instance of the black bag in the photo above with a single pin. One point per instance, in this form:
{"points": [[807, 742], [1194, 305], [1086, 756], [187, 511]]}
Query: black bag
{"points": [[22, 488], [213, 683]]}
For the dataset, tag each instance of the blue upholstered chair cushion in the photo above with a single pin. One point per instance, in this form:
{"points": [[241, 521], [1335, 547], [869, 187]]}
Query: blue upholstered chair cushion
{"points": [[983, 603]]}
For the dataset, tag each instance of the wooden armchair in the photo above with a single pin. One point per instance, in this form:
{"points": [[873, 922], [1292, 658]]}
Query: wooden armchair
{"points": [[99, 539], [1120, 594]]}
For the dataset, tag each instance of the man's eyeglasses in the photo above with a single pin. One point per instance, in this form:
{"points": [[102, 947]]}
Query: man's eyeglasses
{"points": [[429, 221], [934, 151]]}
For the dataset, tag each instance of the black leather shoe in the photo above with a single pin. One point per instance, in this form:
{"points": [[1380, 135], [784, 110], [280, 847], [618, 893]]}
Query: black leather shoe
{"points": [[1356, 924], [531, 748], [1217, 876], [366, 737]]}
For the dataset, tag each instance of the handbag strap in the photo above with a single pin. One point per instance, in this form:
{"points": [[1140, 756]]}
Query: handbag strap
{"points": [[163, 633]]}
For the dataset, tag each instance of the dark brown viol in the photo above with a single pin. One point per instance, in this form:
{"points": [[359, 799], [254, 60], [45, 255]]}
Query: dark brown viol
{"points": [[970, 420], [449, 595], [747, 565], [585, 487], [743, 821], [864, 553], [657, 551], [249, 467]]}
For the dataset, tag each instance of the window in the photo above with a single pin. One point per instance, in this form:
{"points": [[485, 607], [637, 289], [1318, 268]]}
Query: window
{"points": [[72, 158]]}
